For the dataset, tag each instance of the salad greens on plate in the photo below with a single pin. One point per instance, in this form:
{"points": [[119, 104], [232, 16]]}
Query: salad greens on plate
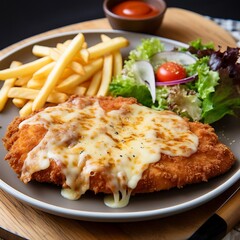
{"points": [[210, 91]]}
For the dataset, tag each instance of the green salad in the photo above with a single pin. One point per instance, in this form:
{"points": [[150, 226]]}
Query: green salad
{"points": [[209, 91]]}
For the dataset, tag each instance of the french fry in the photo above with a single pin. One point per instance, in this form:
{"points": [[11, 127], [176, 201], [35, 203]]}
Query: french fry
{"points": [[67, 42], [19, 102], [84, 46], [103, 48], [95, 83], [26, 109], [25, 69], [27, 93], [21, 81], [84, 55], [106, 75], [117, 58], [58, 69], [105, 38], [54, 54], [77, 91], [61, 47], [41, 51], [74, 78], [66, 73], [9, 83], [36, 83], [77, 67], [44, 71], [117, 63], [89, 69], [107, 70]]}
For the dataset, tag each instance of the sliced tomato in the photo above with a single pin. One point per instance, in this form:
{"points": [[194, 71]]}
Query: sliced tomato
{"points": [[170, 71]]}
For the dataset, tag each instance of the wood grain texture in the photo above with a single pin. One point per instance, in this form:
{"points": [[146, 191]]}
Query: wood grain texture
{"points": [[185, 26], [30, 223]]}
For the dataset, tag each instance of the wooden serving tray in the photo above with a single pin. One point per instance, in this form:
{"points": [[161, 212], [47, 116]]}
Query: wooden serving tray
{"points": [[25, 221]]}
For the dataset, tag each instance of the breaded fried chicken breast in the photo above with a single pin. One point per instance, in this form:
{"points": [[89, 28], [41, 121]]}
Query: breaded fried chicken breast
{"points": [[113, 145]]}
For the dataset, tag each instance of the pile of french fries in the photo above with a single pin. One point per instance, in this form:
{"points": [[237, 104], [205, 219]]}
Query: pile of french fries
{"points": [[69, 68]]}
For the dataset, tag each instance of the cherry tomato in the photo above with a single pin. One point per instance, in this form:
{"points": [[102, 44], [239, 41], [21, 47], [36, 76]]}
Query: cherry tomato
{"points": [[170, 71]]}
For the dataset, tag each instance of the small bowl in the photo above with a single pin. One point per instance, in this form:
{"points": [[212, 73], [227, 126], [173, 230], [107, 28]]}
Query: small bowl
{"points": [[143, 25]]}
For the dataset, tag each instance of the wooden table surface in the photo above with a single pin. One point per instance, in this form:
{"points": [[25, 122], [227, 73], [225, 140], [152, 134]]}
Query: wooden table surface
{"points": [[27, 222]]}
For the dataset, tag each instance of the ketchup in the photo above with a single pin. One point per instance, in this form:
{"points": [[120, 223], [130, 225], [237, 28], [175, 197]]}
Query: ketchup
{"points": [[135, 9]]}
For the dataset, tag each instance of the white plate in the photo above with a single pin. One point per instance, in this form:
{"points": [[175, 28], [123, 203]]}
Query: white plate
{"points": [[91, 207]]}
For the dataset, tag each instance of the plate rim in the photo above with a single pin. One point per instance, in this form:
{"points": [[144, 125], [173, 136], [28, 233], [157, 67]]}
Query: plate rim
{"points": [[110, 216], [119, 217]]}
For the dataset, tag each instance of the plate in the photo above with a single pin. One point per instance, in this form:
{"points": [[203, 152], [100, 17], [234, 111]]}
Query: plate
{"points": [[91, 207]]}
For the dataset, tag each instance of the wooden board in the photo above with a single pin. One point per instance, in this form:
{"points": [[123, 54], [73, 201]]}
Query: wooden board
{"points": [[185, 26], [30, 223]]}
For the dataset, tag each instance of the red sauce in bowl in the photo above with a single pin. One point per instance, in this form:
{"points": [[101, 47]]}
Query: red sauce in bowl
{"points": [[135, 9]]}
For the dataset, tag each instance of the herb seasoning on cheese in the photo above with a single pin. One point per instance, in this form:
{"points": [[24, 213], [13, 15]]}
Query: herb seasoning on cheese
{"points": [[123, 142]]}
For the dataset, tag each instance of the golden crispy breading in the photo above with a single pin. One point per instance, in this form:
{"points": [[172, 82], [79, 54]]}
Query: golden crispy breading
{"points": [[211, 159]]}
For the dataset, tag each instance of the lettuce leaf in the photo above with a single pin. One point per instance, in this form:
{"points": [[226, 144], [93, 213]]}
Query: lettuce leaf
{"points": [[197, 44], [219, 90], [225, 100], [185, 103], [162, 94], [127, 87], [146, 49], [205, 84], [179, 99]]}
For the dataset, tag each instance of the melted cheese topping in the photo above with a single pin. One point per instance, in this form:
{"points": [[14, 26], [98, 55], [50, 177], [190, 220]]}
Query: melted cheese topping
{"points": [[121, 143]]}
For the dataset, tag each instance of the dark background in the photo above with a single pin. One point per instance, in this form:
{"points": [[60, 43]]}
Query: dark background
{"points": [[20, 19]]}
